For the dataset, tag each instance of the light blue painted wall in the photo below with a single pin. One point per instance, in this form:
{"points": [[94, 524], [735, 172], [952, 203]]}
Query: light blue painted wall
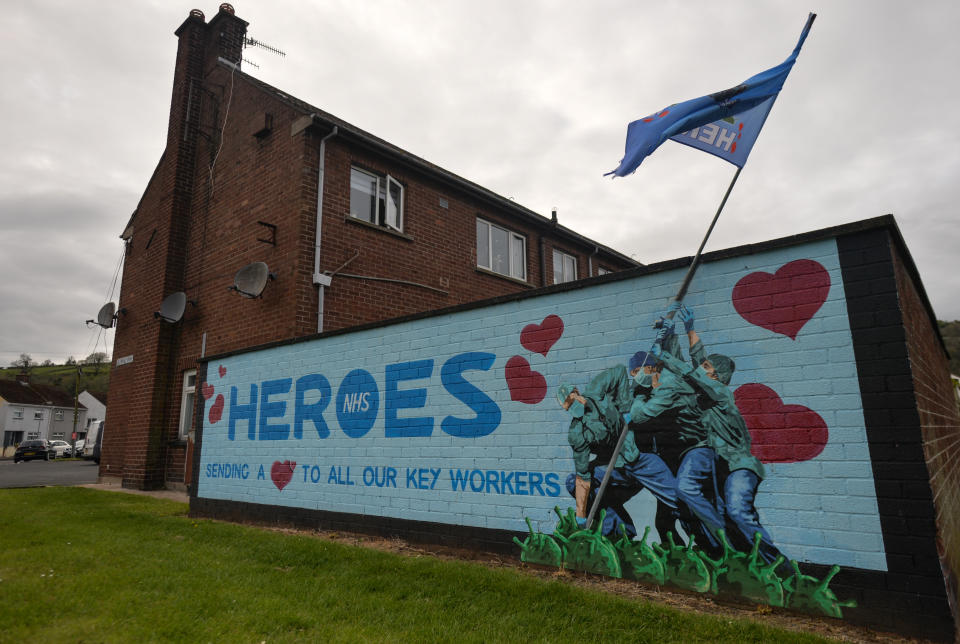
{"points": [[823, 510]]}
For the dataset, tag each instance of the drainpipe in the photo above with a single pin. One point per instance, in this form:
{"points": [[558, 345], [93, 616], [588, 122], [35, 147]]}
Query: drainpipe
{"points": [[596, 249], [319, 279]]}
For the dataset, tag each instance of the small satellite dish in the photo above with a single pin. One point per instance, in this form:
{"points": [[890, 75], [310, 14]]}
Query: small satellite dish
{"points": [[108, 313], [252, 279], [172, 308]]}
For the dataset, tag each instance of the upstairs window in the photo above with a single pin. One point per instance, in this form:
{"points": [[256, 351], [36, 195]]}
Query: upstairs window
{"points": [[564, 267], [58, 415], [501, 251], [38, 415], [18, 413], [376, 199]]}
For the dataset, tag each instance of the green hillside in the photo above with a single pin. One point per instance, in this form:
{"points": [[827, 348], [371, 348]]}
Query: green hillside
{"points": [[94, 379]]}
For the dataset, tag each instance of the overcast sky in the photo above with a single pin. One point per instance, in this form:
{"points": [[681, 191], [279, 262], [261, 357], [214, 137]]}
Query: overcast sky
{"points": [[530, 99]]}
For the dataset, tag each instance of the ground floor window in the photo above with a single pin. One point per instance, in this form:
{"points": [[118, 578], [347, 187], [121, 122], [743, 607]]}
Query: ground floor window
{"points": [[188, 401]]}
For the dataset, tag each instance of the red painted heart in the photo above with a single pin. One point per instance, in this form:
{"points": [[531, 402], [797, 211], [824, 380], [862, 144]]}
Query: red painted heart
{"points": [[216, 411], [207, 390], [526, 386], [281, 473], [538, 338], [785, 301], [780, 433], [222, 370]]}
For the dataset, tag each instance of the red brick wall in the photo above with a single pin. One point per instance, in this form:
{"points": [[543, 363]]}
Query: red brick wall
{"points": [[939, 423], [196, 227]]}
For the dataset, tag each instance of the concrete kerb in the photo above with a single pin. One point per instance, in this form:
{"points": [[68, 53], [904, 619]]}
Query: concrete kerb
{"points": [[172, 495]]}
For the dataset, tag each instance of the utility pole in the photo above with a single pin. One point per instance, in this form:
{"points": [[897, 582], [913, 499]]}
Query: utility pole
{"points": [[76, 410]]}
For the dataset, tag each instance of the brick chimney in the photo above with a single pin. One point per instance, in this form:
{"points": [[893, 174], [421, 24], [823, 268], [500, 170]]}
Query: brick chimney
{"points": [[197, 102]]}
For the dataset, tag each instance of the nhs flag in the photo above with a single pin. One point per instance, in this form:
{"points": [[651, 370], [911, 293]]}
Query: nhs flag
{"points": [[730, 138]]}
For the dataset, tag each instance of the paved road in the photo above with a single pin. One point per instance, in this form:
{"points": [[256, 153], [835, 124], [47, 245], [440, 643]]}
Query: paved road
{"points": [[34, 473]]}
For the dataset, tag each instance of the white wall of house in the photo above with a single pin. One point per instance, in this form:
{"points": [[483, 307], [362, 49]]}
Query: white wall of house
{"points": [[24, 422]]}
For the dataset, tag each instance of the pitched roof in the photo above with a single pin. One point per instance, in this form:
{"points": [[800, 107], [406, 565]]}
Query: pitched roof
{"points": [[23, 393]]}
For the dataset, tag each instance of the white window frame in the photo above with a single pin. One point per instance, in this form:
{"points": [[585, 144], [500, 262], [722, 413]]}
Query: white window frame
{"points": [[384, 213], [18, 413], [58, 414], [32, 436], [564, 261], [38, 414], [517, 269], [58, 436], [188, 399]]}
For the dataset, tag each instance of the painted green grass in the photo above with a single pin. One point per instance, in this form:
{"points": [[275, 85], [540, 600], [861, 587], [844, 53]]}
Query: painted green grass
{"points": [[92, 566]]}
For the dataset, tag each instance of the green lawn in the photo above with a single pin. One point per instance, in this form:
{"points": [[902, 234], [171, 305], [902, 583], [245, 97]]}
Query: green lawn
{"points": [[81, 565]]}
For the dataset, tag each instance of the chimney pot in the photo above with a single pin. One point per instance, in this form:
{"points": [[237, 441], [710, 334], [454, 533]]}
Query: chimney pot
{"points": [[196, 13], [228, 8]]}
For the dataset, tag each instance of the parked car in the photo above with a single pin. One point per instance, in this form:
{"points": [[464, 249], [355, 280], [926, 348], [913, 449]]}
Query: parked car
{"points": [[60, 448], [33, 449], [78, 448]]}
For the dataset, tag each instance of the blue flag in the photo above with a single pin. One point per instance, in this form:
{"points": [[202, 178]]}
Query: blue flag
{"points": [[725, 124]]}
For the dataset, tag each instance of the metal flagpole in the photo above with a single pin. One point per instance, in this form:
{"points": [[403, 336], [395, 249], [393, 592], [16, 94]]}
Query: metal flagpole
{"points": [[678, 298]]}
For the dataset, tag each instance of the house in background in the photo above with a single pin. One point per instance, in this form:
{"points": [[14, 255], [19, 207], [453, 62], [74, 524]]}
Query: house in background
{"points": [[346, 229], [29, 411]]}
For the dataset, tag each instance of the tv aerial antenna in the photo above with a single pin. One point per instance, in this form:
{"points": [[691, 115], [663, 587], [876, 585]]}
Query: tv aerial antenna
{"points": [[253, 42]]}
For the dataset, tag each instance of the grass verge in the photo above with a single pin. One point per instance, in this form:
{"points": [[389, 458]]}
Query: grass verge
{"points": [[86, 565]]}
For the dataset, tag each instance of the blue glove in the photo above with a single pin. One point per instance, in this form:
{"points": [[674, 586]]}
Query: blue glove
{"points": [[581, 522], [662, 334], [686, 316]]}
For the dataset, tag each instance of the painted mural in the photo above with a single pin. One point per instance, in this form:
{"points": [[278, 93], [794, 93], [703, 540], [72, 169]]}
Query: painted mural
{"points": [[744, 452]]}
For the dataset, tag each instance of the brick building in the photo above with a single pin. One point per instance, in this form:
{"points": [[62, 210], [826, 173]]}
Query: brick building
{"points": [[238, 182]]}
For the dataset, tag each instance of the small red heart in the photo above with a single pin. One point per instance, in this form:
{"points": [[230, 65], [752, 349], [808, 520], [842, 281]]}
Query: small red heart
{"points": [[785, 301], [526, 386], [222, 370], [216, 411], [281, 473], [207, 390], [538, 338], [780, 433]]}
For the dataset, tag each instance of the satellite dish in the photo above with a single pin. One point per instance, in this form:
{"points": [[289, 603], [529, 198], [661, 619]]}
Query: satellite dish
{"points": [[172, 308], [252, 279], [106, 316]]}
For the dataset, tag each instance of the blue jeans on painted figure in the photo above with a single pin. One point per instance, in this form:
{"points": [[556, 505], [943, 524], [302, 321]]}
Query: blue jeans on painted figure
{"points": [[739, 490], [649, 471], [696, 479]]}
